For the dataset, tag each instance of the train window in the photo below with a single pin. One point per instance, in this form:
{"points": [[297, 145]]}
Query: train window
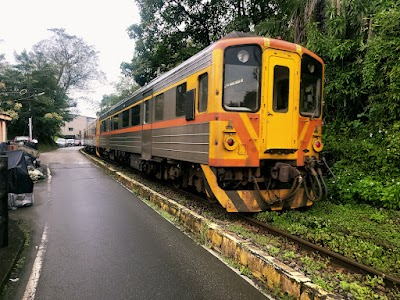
{"points": [[135, 115], [242, 78], [159, 110], [146, 119], [203, 92], [281, 89], [125, 118], [180, 100], [310, 87], [116, 122], [108, 124]]}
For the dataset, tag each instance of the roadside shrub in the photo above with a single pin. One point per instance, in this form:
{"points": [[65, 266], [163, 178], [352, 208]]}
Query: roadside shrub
{"points": [[365, 162]]}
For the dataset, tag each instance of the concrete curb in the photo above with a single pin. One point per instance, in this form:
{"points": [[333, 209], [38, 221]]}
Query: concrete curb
{"points": [[273, 273]]}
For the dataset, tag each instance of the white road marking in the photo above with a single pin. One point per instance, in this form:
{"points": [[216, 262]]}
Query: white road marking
{"points": [[48, 175], [33, 281], [48, 184]]}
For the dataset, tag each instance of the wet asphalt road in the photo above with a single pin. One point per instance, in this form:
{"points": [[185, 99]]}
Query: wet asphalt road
{"points": [[104, 243]]}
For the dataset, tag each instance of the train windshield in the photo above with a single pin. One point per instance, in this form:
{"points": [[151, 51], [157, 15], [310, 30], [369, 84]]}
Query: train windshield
{"points": [[242, 78], [310, 87]]}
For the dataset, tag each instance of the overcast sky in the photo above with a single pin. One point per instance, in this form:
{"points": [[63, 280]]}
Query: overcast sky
{"points": [[101, 24]]}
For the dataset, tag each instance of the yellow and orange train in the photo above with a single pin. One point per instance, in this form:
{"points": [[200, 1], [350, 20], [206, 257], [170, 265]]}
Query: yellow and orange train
{"points": [[240, 121]]}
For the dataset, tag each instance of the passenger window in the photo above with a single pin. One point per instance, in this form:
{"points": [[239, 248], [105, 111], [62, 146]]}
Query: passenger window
{"points": [[242, 78], [180, 100], [135, 115], [203, 92], [159, 102], [108, 124], [116, 122], [281, 89], [125, 118], [146, 119], [310, 87]]}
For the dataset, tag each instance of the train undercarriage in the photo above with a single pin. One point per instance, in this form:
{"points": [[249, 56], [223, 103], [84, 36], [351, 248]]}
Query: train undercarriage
{"points": [[274, 185]]}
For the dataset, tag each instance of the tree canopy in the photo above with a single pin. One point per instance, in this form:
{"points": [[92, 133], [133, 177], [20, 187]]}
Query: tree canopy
{"points": [[40, 83]]}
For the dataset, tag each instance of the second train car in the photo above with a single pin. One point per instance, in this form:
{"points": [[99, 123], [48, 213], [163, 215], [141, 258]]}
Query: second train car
{"points": [[240, 121]]}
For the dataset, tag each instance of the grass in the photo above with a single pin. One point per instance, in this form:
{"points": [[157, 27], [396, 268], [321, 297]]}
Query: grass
{"points": [[366, 234], [47, 147]]}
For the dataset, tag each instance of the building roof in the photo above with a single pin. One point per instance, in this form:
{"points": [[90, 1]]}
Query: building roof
{"points": [[5, 117]]}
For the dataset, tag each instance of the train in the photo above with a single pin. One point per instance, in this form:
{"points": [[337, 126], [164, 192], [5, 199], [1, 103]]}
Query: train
{"points": [[240, 121]]}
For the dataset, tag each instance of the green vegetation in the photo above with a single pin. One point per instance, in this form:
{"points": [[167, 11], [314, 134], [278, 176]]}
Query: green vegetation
{"points": [[366, 234], [40, 83], [42, 147]]}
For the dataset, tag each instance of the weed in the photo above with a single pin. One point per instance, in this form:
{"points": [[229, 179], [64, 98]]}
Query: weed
{"points": [[361, 232], [273, 250], [288, 254], [203, 233], [246, 271]]}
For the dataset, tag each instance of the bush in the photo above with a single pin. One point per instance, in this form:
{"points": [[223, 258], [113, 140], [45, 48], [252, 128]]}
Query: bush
{"points": [[365, 162]]}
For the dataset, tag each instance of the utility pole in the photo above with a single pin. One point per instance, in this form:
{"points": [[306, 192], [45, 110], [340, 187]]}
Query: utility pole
{"points": [[30, 117], [30, 128]]}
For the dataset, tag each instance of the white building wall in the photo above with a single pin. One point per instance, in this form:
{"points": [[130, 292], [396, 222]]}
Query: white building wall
{"points": [[76, 126]]}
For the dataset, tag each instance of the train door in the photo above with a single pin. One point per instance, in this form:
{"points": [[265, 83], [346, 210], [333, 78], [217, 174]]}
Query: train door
{"points": [[146, 130], [280, 107]]}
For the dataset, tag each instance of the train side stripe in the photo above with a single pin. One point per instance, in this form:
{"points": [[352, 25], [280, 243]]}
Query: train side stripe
{"points": [[216, 190], [244, 136], [250, 127]]}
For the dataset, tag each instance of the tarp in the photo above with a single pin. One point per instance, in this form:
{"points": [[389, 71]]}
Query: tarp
{"points": [[19, 181]]}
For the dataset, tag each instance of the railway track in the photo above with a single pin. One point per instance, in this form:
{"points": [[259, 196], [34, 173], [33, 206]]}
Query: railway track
{"points": [[339, 259]]}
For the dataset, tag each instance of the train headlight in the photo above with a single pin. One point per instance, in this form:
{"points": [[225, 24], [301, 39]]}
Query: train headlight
{"points": [[230, 143], [317, 145], [243, 56]]}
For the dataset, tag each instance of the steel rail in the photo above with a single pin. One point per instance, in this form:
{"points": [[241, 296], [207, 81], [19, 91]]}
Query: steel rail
{"points": [[389, 279]]}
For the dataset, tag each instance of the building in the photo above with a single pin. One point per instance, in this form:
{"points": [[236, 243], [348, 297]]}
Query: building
{"points": [[74, 129], [3, 127]]}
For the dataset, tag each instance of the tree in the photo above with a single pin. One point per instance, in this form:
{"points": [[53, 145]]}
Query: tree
{"points": [[170, 32], [381, 67], [341, 44], [36, 94], [41, 81], [75, 62]]}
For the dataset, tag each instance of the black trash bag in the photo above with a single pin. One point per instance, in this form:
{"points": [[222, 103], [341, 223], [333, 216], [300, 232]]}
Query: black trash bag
{"points": [[19, 181]]}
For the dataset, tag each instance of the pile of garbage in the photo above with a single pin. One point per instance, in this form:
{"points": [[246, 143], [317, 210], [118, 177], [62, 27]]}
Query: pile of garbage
{"points": [[23, 171], [34, 169]]}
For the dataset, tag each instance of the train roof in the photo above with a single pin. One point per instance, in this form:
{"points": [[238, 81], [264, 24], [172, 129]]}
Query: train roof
{"points": [[198, 62]]}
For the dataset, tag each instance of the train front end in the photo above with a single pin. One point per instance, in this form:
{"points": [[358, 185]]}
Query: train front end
{"points": [[265, 138]]}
